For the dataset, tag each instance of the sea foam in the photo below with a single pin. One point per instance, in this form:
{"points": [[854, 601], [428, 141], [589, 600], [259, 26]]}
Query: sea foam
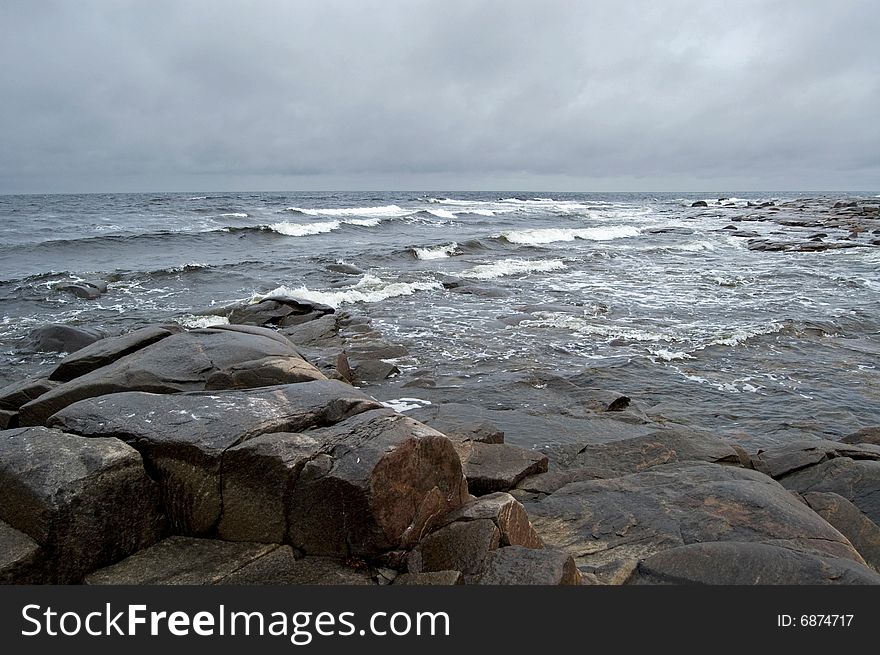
{"points": [[438, 252], [552, 235], [369, 289], [512, 267]]}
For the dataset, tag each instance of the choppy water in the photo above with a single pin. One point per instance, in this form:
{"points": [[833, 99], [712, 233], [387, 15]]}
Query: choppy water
{"points": [[640, 292]]}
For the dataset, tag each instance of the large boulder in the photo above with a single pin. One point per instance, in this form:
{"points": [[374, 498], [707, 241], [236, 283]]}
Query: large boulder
{"points": [[183, 437], [749, 563], [20, 557], [861, 531], [493, 467], [59, 338], [857, 480], [604, 522], [380, 481], [86, 502], [506, 512], [782, 460], [517, 565], [189, 361], [276, 310], [108, 350], [869, 435], [460, 546], [13, 396]]}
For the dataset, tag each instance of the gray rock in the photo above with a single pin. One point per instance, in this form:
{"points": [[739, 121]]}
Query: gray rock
{"points": [[497, 467], [266, 312], [84, 290], [265, 372], [856, 480], [373, 370], [57, 338], [869, 435], [87, 502], [255, 330], [183, 436], [861, 531], [430, 579], [700, 203], [13, 396], [461, 546], [182, 561], [108, 350], [379, 483], [508, 515], [779, 461], [20, 557], [730, 563], [180, 362], [319, 332], [638, 515], [516, 565], [281, 567], [8, 419]]}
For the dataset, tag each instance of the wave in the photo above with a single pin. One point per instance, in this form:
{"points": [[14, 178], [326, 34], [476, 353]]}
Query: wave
{"points": [[386, 211], [552, 235], [233, 215], [304, 229], [370, 289], [441, 213], [437, 252], [193, 321], [512, 267]]}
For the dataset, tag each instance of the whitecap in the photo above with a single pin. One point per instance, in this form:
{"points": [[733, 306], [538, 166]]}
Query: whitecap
{"points": [[304, 229], [233, 215], [202, 321], [438, 252], [386, 211], [369, 289], [405, 404], [551, 235], [512, 267], [441, 213]]}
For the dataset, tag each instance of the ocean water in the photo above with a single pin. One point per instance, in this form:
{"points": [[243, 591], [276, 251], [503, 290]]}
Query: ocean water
{"points": [[639, 293]]}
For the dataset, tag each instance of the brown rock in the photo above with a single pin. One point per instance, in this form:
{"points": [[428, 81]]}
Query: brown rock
{"points": [[497, 467], [861, 531], [430, 578], [462, 546], [508, 515], [516, 565]]}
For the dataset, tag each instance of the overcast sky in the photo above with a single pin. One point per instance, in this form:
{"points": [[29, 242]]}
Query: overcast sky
{"points": [[446, 94]]}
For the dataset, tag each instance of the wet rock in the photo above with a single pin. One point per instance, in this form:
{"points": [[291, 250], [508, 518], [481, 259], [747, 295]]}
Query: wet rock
{"points": [[258, 331], [732, 563], [298, 319], [183, 437], [782, 460], [497, 467], [381, 481], [57, 338], [86, 502], [481, 291], [182, 560], [13, 396], [508, 515], [319, 332], [262, 313], [84, 290], [108, 350], [862, 533], [516, 565], [345, 269], [180, 362], [700, 203], [373, 370], [430, 578], [8, 419], [869, 435], [462, 546], [638, 515], [265, 372], [857, 480], [20, 557]]}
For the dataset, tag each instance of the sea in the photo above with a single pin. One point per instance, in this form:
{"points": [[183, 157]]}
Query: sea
{"points": [[492, 293]]}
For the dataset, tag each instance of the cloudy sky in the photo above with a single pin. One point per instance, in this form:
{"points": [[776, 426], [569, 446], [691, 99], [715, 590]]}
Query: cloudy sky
{"points": [[444, 94]]}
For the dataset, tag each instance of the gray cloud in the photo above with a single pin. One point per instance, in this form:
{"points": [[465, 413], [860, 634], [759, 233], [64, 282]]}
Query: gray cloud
{"points": [[737, 94]]}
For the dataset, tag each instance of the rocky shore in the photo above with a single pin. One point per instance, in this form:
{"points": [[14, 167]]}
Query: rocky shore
{"points": [[253, 453]]}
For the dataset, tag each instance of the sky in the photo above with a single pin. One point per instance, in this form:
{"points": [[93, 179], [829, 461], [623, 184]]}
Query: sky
{"points": [[624, 95]]}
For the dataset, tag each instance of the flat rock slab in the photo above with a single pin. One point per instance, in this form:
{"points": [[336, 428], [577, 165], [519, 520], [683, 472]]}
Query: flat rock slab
{"points": [[516, 565], [59, 338], [87, 502], [861, 531], [20, 557], [182, 561], [108, 350], [869, 435], [730, 563], [281, 567], [635, 516], [183, 436], [856, 480], [430, 579], [785, 459], [323, 331], [497, 467], [506, 512], [380, 481], [13, 396], [181, 362]]}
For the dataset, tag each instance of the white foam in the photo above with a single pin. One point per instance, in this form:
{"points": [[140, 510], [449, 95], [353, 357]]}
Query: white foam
{"points": [[512, 267], [669, 355], [441, 213], [552, 235], [405, 404], [304, 229], [438, 252], [233, 215], [386, 211], [369, 289], [363, 222], [202, 321]]}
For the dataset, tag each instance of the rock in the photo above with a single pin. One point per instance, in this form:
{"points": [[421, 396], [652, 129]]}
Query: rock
{"points": [[84, 290], [430, 578], [182, 560], [700, 203], [280, 567], [779, 461], [459, 423], [862, 533], [508, 515], [516, 565], [319, 332], [255, 330], [20, 557], [497, 467], [869, 435], [261, 313], [266, 372], [108, 350], [13, 396], [373, 370], [180, 362], [729, 563], [183, 436], [856, 480], [638, 515], [462, 546], [56, 338], [482, 431], [87, 502], [258, 477], [8, 419], [379, 483], [345, 269], [298, 319]]}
